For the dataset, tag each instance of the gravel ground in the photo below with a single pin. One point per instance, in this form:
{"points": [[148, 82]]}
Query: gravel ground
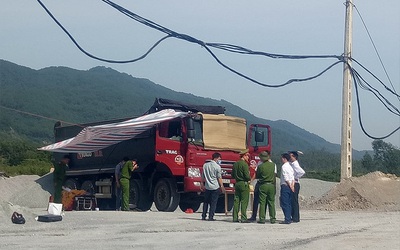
{"points": [[371, 221], [177, 230]]}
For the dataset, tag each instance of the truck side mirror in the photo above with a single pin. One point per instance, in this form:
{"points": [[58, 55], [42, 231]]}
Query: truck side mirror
{"points": [[190, 128], [259, 136]]}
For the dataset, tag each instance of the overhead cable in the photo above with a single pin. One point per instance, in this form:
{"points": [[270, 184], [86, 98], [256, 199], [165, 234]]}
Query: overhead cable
{"points": [[356, 81], [357, 78], [376, 50], [226, 47]]}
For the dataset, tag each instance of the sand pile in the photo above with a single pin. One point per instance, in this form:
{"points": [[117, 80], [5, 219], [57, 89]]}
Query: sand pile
{"points": [[24, 192], [374, 191]]}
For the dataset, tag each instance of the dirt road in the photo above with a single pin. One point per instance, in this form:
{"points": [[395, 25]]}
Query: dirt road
{"points": [[177, 230]]}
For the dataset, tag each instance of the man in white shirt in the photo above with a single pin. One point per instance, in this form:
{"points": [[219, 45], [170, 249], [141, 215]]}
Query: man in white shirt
{"points": [[298, 173], [287, 188]]}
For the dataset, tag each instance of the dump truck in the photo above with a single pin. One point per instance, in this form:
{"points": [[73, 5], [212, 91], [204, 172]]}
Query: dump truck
{"points": [[171, 142]]}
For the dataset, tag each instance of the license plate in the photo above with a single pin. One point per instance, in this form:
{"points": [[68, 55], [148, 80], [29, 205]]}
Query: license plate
{"points": [[226, 181]]}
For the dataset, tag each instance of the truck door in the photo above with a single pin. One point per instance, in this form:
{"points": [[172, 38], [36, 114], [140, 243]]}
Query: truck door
{"points": [[169, 146]]}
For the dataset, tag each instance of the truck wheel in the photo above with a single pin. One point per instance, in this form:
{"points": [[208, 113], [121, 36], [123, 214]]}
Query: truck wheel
{"points": [[88, 187], [72, 183], [166, 198], [221, 203], [138, 196], [193, 205]]}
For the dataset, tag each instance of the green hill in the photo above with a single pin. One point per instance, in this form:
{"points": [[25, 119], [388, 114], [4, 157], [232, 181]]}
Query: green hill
{"points": [[81, 96]]}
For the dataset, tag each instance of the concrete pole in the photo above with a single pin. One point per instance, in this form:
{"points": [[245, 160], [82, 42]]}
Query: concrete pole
{"points": [[346, 146]]}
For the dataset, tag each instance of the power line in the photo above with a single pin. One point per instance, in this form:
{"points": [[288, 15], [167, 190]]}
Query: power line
{"points": [[376, 50], [39, 116], [226, 47], [241, 50], [356, 81]]}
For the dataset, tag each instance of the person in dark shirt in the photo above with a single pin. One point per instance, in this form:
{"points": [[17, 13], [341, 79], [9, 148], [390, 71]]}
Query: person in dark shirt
{"points": [[117, 173], [59, 178]]}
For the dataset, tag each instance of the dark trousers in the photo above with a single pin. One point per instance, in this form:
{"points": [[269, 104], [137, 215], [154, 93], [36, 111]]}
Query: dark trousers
{"points": [[286, 202], [210, 198], [57, 198], [256, 201], [118, 197], [295, 203]]}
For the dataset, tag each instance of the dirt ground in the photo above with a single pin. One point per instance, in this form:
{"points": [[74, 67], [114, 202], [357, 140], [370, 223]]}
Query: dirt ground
{"points": [[177, 230], [358, 213]]}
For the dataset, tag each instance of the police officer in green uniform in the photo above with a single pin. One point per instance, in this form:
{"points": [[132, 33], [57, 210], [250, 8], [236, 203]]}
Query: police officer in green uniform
{"points": [[125, 177], [241, 174], [266, 175], [59, 177]]}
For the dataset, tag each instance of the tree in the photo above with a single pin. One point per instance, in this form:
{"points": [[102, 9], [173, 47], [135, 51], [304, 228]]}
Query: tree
{"points": [[367, 162], [386, 156]]}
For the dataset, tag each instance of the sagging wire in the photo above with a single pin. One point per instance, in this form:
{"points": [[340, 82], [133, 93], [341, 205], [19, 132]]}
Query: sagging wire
{"points": [[93, 56], [207, 46], [241, 50], [366, 86], [356, 80]]}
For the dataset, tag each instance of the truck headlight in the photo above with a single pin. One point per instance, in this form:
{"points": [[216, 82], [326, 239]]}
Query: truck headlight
{"points": [[194, 172]]}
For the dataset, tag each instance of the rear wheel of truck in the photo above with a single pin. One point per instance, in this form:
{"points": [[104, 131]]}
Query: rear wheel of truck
{"points": [[195, 205], [72, 183], [88, 186], [138, 196], [221, 203], [166, 197]]}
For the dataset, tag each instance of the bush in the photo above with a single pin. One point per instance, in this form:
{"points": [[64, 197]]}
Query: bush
{"points": [[18, 156], [27, 167]]}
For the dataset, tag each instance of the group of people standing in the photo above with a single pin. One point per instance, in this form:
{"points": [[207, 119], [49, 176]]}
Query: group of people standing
{"points": [[123, 172], [290, 187], [212, 185], [264, 190]]}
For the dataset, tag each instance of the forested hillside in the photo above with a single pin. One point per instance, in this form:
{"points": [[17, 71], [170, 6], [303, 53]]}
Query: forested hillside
{"points": [[101, 93], [81, 96]]}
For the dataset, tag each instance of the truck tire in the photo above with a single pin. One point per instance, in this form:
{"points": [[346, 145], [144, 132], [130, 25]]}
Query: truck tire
{"points": [[88, 187], [166, 197], [195, 205], [72, 183], [221, 203], [138, 196]]}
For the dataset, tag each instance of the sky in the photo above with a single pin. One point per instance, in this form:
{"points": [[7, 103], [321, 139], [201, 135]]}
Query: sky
{"points": [[29, 37]]}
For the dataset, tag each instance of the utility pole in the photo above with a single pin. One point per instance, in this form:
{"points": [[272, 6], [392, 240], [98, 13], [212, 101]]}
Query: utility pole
{"points": [[346, 146]]}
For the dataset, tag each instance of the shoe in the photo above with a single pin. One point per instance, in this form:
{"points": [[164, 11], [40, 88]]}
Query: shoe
{"points": [[236, 221], [252, 219], [285, 222], [295, 221], [261, 222], [203, 218], [211, 219], [273, 221]]}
